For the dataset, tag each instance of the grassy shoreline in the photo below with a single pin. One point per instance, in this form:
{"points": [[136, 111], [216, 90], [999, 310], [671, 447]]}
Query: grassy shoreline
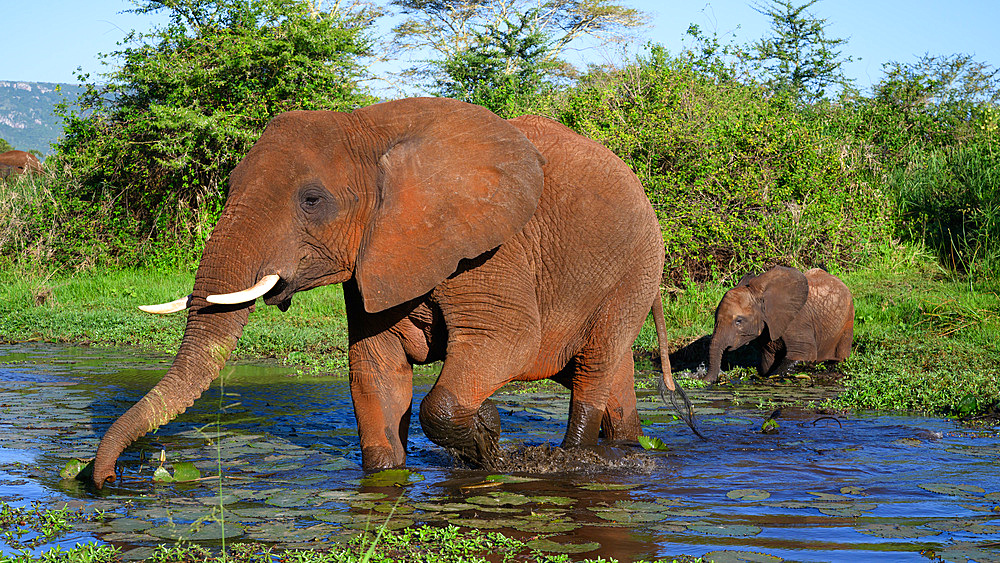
{"points": [[924, 341]]}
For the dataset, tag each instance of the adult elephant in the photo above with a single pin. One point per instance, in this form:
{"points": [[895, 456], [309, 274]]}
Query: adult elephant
{"points": [[791, 317], [512, 250], [18, 162]]}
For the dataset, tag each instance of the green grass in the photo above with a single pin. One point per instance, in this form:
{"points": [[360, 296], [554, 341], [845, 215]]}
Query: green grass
{"points": [[924, 340], [99, 307]]}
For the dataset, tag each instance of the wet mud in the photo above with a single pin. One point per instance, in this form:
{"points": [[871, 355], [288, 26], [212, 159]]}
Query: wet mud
{"points": [[279, 463]]}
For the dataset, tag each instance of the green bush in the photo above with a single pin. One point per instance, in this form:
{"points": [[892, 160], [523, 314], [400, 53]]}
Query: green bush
{"points": [[153, 143], [740, 180]]}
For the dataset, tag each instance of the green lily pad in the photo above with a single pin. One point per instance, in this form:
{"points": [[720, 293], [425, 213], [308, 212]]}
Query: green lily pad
{"points": [[970, 525], [269, 513], [829, 496], [483, 523], [852, 490], [770, 426], [510, 479], [444, 507], [726, 556], [728, 530], [129, 525], [895, 531], [161, 475], [951, 489], [345, 496], [623, 516], [966, 551], [335, 517], [608, 486], [655, 444], [375, 523], [74, 467], [558, 501], [289, 532], [392, 478], [393, 508], [185, 471], [197, 532], [336, 464], [555, 547], [540, 527], [499, 499], [290, 498], [748, 494]]}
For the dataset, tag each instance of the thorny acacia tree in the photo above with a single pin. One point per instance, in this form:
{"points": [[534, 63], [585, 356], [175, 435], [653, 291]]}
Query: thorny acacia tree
{"points": [[503, 70], [448, 28], [798, 59]]}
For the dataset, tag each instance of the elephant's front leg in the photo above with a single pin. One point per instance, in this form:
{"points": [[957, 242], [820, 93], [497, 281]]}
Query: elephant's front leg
{"points": [[382, 392], [381, 376], [457, 413]]}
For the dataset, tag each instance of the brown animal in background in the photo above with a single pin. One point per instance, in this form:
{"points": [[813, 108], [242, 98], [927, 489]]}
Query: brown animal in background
{"points": [[792, 317], [18, 162], [511, 250]]}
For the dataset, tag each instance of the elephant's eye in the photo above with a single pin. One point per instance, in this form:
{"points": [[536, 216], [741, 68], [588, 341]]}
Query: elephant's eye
{"points": [[315, 202], [738, 321]]}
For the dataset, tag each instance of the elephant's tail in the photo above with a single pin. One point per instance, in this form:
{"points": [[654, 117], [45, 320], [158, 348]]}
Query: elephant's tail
{"points": [[667, 385]]}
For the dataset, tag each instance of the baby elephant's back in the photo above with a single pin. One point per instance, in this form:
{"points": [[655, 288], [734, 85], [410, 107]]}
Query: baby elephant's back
{"points": [[834, 305]]}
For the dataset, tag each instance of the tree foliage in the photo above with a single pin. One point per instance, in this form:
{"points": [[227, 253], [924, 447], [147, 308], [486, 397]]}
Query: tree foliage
{"points": [[798, 59], [446, 29], [153, 141], [503, 69]]}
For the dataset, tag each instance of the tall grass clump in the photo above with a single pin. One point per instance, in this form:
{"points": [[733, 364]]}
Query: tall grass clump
{"points": [[949, 199], [29, 217]]}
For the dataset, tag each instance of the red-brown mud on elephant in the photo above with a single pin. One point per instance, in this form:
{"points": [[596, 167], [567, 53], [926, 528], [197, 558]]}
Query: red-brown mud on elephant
{"points": [[545, 458]]}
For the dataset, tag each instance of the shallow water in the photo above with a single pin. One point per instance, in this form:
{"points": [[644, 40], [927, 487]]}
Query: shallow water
{"points": [[844, 488]]}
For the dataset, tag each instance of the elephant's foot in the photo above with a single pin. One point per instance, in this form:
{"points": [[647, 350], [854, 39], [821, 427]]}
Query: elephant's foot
{"points": [[584, 425], [619, 426], [786, 367], [472, 439], [377, 458]]}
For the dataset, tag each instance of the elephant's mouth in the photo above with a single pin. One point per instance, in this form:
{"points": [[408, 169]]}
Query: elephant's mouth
{"points": [[280, 295]]}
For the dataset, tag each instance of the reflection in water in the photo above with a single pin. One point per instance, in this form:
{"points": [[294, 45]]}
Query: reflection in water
{"points": [[820, 489]]}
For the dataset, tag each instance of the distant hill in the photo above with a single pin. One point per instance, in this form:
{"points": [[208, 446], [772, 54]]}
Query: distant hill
{"points": [[27, 120]]}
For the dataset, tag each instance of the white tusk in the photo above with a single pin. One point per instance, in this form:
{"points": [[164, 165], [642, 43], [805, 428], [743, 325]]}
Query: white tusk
{"points": [[166, 308], [260, 288]]}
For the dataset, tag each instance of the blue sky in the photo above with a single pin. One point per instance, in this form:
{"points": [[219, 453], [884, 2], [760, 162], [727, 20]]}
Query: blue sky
{"points": [[46, 40]]}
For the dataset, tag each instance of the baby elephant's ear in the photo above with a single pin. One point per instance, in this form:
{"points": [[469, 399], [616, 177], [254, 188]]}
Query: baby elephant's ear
{"points": [[783, 292], [459, 181]]}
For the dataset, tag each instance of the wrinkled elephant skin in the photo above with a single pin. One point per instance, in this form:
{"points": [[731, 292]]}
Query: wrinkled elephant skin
{"points": [[511, 250], [790, 316]]}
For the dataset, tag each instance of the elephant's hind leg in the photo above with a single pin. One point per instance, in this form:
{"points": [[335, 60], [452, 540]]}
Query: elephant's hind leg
{"points": [[621, 417]]}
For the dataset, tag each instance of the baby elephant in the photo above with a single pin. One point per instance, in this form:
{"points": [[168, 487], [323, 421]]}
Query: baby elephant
{"points": [[792, 317]]}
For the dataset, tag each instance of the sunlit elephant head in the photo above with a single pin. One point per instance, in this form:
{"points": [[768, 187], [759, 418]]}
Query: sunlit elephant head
{"points": [[763, 305]]}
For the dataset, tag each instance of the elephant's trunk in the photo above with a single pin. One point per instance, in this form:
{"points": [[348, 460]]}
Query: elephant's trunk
{"points": [[715, 357], [210, 336], [208, 340]]}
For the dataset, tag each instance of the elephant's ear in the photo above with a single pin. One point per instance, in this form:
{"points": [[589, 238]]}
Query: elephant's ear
{"points": [[459, 181], [783, 293]]}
